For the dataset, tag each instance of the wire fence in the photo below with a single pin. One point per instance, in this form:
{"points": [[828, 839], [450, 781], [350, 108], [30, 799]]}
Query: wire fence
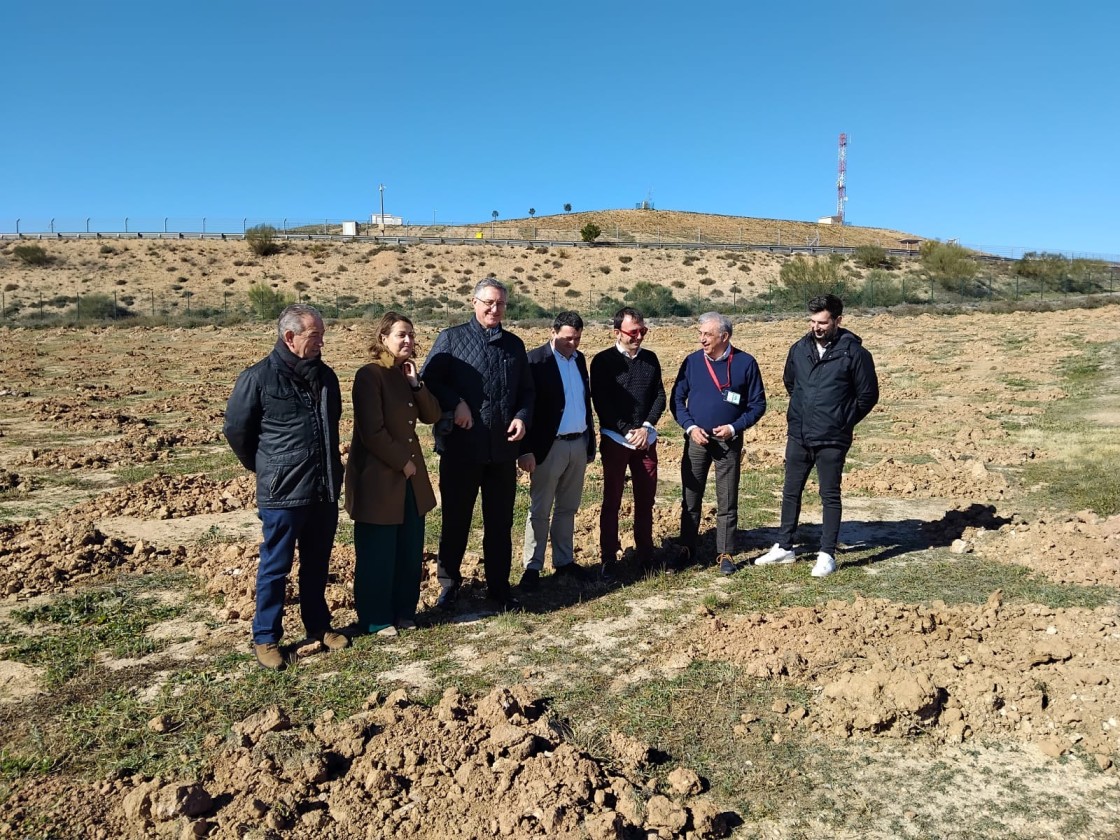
{"points": [[708, 232]]}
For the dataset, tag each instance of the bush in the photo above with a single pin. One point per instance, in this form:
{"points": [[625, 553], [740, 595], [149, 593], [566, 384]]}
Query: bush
{"points": [[949, 264], [262, 240], [872, 256], [267, 303], [32, 255], [806, 278], [97, 307], [655, 301], [590, 232]]}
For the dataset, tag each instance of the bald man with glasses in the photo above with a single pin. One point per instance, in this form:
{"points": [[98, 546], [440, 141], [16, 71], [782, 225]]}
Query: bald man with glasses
{"points": [[479, 372]]}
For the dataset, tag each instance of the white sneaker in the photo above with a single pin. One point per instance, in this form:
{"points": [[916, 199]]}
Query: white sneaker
{"points": [[776, 554], [825, 565]]}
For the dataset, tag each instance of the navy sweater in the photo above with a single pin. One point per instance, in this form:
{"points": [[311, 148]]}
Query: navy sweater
{"points": [[698, 402]]}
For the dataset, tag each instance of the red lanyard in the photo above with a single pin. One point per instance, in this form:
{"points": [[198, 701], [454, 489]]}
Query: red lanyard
{"points": [[712, 373]]}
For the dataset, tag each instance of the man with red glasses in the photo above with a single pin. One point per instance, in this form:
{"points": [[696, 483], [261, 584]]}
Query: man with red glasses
{"points": [[718, 395], [629, 399]]}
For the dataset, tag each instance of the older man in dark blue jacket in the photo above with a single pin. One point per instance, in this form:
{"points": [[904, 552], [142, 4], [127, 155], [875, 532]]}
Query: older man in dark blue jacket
{"points": [[479, 373], [832, 386], [717, 396], [282, 423]]}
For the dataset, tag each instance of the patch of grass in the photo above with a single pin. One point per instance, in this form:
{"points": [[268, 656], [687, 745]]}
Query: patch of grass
{"points": [[925, 577], [217, 462], [73, 630]]}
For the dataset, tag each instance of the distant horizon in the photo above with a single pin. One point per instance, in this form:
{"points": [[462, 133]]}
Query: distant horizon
{"points": [[236, 225]]}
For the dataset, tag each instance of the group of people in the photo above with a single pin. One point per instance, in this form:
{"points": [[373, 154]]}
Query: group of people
{"points": [[496, 408]]}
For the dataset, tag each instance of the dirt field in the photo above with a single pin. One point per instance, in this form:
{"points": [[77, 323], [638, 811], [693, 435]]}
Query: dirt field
{"points": [[958, 677]]}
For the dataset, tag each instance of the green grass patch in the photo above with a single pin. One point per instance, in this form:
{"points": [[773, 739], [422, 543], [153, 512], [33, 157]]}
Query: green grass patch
{"points": [[69, 633], [923, 578]]}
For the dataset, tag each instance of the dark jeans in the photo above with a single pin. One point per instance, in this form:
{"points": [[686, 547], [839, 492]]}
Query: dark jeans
{"points": [[643, 474], [800, 460], [311, 528], [388, 561], [697, 460], [459, 484]]}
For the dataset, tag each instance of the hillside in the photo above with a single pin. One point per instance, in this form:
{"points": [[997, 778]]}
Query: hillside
{"points": [[164, 277]]}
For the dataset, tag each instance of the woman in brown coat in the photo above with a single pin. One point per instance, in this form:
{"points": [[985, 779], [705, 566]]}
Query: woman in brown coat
{"points": [[387, 486]]}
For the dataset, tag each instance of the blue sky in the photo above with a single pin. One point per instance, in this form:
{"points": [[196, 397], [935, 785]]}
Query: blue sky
{"points": [[993, 122]]}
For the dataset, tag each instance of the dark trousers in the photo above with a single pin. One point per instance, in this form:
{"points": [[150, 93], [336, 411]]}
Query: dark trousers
{"points": [[727, 457], [800, 460], [459, 484], [643, 473], [310, 528], [387, 569]]}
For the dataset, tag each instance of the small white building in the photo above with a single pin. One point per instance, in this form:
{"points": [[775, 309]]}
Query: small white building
{"points": [[386, 220], [830, 220]]}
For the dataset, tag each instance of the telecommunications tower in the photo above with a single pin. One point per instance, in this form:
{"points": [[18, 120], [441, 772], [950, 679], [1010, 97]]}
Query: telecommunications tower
{"points": [[842, 171]]}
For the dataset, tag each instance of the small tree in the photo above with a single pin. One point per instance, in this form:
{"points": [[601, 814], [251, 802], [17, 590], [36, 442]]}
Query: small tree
{"points": [[872, 256], [494, 215], [532, 212], [267, 302], [949, 264], [590, 232], [567, 208], [656, 301], [806, 278], [262, 240]]}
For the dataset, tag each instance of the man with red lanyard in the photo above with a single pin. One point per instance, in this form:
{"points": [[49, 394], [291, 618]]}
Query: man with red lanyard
{"points": [[718, 395]]}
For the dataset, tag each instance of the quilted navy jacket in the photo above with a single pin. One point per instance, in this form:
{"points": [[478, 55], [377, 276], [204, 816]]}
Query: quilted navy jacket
{"points": [[488, 369]]}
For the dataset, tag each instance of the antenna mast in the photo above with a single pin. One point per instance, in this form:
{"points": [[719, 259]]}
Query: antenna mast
{"points": [[842, 171]]}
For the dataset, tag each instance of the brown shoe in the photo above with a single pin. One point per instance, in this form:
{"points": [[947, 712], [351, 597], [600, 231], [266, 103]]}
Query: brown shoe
{"points": [[269, 656], [333, 640]]}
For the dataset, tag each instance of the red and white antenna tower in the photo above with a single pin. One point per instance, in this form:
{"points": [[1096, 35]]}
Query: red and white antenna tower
{"points": [[842, 171]]}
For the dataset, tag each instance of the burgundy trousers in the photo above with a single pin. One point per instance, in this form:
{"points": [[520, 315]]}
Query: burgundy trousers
{"points": [[643, 475]]}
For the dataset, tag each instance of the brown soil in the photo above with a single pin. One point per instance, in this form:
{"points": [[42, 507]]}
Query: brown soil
{"points": [[937, 466]]}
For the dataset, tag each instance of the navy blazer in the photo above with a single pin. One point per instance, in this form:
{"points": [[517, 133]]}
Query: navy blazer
{"points": [[549, 403]]}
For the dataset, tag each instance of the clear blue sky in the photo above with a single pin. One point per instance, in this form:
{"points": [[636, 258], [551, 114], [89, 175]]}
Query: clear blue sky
{"points": [[997, 123]]}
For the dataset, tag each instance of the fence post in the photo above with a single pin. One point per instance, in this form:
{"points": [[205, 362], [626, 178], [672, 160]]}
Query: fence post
{"points": [[78, 308], [153, 303], [40, 306], [114, 305]]}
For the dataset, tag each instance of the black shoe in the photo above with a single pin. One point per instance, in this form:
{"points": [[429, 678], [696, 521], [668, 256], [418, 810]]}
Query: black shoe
{"points": [[506, 603], [529, 580], [727, 565], [447, 597], [608, 571], [573, 571]]}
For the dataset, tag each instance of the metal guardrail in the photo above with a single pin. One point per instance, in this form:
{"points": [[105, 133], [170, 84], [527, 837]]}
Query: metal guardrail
{"points": [[772, 248]]}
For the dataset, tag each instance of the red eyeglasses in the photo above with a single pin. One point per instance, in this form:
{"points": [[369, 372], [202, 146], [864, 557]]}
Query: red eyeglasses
{"points": [[640, 332]]}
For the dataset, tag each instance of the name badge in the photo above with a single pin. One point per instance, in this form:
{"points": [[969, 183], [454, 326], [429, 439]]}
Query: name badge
{"points": [[731, 397]]}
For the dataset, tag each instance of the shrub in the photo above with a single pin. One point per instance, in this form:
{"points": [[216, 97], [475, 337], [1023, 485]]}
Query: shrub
{"points": [[606, 269], [655, 301], [590, 232], [11, 287], [32, 255], [262, 240], [948, 263], [107, 249], [872, 256], [97, 307], [806, 278], [267, 303]]}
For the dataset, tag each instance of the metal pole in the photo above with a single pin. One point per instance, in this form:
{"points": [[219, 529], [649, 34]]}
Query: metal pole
{"points": [[87, 224], [165, 224], [204, 224], [17, 227], [381, 218], [243, 228], [126, 224], [52, 225]]}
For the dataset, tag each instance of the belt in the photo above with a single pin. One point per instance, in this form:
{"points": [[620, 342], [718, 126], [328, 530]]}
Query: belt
{"points": [[572, 436]]}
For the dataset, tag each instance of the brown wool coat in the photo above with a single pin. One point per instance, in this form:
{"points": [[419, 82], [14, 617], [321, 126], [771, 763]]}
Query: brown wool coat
{"points": [[386, 411]]}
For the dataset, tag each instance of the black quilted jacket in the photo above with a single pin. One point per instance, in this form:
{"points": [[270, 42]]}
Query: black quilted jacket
{"points": [[490, 372]]}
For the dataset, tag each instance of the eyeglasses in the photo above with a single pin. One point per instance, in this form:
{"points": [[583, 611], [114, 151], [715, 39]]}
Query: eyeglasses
{"points": [[640, 332], [492, 304]]}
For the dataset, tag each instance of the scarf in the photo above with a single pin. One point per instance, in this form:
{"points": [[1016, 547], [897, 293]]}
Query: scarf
{"points": [[307, 372]]}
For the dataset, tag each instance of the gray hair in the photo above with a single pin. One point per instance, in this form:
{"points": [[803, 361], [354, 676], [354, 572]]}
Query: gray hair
{"points": [[724, 321], [490, 283], [293, 316]]}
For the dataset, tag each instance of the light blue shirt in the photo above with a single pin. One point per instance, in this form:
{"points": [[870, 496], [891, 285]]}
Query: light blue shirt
{"points": [[574, 418]]}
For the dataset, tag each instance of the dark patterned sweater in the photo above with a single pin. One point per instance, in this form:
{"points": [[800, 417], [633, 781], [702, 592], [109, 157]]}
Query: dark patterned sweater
{"points": [[626, 392]]}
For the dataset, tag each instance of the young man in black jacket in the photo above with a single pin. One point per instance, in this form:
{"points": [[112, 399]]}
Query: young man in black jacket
{"points": [[282, 423], [832, 386]]}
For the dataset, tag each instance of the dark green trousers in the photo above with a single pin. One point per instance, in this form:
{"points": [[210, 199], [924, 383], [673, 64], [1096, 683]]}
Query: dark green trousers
{"points": [[387, 569]]}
